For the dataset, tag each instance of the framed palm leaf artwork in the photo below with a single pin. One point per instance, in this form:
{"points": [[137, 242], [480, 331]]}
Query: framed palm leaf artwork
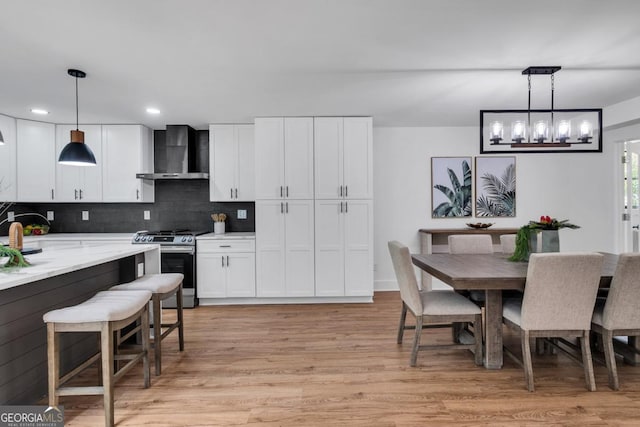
{"points": [[451, 187], [495, 186]]}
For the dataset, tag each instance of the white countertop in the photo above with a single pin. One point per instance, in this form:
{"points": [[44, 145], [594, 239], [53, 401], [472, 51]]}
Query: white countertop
{"points": [[28, 240], [227, 236], [53, 261]]}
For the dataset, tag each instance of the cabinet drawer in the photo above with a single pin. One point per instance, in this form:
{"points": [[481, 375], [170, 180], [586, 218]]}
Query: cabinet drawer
{"points": [[226, 246]]}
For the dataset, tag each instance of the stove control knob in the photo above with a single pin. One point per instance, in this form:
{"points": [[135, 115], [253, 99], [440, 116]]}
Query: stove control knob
{"points": [[184, 238], [149, 238], [190, 238], [136, 239]]}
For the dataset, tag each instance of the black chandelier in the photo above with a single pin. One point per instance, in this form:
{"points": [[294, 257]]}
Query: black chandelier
{"points": [[552, 130]]}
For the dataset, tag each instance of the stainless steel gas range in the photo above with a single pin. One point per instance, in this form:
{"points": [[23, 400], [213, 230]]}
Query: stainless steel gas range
{"points": [[177, 255]]}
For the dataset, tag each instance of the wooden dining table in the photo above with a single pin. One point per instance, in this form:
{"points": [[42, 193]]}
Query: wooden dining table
{"points": [[491, 273]]}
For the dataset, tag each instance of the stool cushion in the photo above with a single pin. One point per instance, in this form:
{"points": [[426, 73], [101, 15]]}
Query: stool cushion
{"points": [[105, 306], [156, 283]]}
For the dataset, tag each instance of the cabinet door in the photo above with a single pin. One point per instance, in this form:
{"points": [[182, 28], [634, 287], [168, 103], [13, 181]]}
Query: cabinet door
{"points": [[358, 244], [328, 160], [329, 244], [270, 249], [299, 238], [75, 183], [211, 275], [36, 161], [269, 158], [245, 175], [241, 274], [126, 150], [358, 158], [298, 157], [223, 160], [8, 150]]}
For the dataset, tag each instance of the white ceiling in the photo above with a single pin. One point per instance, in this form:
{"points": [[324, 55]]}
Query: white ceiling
{"points": [[404, 62]]}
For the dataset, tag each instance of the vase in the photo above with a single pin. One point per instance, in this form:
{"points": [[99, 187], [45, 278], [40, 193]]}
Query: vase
{"points": [[544, 241], [218, 227]]}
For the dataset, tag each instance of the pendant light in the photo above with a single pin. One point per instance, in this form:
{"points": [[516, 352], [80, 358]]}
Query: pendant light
{"points": [[76, 152]]}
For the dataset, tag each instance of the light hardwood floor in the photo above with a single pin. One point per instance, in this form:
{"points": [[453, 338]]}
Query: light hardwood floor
{"points": [[339, 365]]}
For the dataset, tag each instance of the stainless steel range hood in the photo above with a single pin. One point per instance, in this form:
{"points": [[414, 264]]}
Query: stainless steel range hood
{"points": [[177, 155]]}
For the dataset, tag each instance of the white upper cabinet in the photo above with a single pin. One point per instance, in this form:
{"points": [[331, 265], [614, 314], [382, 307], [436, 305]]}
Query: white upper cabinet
{"points": [[126, 150], [343, 157], [8, 187], [36, 161], [231, 158], [284, 158], [79, 183]]}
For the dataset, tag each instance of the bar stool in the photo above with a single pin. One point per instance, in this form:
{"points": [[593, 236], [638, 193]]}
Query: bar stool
{"points": [[162, 286], [107, 312]]}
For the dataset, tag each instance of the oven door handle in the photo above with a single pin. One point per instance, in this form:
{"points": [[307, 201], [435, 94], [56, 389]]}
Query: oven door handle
{"points": [[177, 250]]}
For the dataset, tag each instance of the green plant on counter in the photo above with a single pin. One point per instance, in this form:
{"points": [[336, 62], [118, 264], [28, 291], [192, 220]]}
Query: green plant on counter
{"points": [[15, 257], [521, 253]]}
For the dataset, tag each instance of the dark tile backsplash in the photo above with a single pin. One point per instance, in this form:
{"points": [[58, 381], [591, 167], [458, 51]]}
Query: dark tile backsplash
{"points": [[178, 204]]}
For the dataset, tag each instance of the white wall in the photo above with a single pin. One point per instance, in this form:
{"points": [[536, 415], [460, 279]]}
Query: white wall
{"points": [[574, 186]]}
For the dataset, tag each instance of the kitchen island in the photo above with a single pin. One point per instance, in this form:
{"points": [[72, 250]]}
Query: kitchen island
{"points": [[58, 277]]}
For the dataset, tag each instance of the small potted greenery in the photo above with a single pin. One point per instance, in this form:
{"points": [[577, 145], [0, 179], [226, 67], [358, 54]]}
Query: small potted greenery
{"points": [[524, 236]]}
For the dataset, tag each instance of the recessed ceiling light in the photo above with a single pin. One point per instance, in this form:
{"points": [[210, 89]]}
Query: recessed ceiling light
{"points": [[39, 111], [152, 110]]}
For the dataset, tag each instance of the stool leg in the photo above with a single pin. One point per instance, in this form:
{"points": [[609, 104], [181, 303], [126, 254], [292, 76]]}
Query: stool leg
{"points": [[106, 339], [180, 318], [145, 346], [157, 333], [53, 361]]}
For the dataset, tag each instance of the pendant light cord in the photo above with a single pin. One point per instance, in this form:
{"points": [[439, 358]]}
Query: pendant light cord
{"points": [[77, 103]]}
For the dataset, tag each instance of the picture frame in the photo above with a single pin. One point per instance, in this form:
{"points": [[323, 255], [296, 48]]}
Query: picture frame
{"points": [[451, 187], [495, 186]]}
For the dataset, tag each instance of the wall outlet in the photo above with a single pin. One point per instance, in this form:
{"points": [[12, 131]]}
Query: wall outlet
{"points": [[49, 215], [242, 214], [11, 216], [147, 215], [85, 215]]}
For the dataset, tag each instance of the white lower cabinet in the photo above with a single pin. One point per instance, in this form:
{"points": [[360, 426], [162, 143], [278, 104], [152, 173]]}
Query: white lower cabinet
{"points": [[284, 248], [226, 268], [344, 248]]}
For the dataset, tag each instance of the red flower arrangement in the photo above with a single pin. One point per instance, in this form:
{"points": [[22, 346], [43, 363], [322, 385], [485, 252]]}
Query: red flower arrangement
{"points": [[521, 252]]}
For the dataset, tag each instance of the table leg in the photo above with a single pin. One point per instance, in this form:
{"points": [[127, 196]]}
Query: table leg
{"points": [[493, 322]]}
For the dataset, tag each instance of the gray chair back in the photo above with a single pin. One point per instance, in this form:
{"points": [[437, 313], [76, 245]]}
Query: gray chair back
{"points": [[621, 309], [561, 289], [508, 243], [406, 276], [470, 244]]}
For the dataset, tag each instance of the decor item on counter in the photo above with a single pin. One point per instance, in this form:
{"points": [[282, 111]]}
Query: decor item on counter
{"points": [[495, 186], [451, 176], [539, 130], [527, 237], [1, 138], [76, 152], [15, 235], [15, 257], [479, 225], [35, 229], [219, 223]]}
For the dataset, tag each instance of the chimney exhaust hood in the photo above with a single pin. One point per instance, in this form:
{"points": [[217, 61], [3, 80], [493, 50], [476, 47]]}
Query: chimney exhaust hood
{"points": [[177, 155]]}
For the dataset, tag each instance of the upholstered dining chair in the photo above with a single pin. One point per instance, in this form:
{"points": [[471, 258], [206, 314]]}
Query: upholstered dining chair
{"points": [[619, 315], [508, 243], [558, 301], [432, 308], [470, 244]]}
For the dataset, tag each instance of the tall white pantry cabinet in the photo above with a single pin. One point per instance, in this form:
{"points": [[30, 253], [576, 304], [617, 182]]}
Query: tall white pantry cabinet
{"points": [[314, 219]]}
